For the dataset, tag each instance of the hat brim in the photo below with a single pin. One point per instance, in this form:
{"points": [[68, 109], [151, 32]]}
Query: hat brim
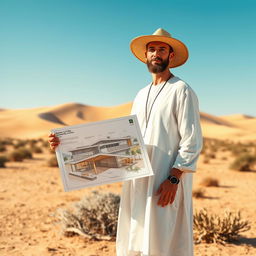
{"points": [[138, 48]]}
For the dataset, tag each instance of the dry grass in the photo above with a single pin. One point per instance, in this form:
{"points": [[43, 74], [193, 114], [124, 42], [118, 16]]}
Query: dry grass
{"points": [[94, 217], [20, 154], [198, 193], [244, 163], [216, 229], [52, 162], [206, 160], [3, 160], [210, 182], [2, 148], [36, 149]]}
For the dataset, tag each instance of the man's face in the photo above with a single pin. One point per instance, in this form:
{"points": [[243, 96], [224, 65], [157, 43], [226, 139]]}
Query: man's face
{"points": [[158, 56]]}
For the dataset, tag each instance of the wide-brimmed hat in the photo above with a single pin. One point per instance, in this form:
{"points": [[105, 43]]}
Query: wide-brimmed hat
{"points": [[138, 47]]}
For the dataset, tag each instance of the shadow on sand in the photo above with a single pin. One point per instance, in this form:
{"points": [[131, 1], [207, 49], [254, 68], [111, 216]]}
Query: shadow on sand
{"points": [[209, 197], [224, 186], [245, 241]]}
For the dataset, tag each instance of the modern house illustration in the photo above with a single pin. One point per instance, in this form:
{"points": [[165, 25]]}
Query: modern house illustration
{"points": [[88, 161]]}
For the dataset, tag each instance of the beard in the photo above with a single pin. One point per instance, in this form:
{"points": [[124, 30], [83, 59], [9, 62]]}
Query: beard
{"points": [[158, 67]]}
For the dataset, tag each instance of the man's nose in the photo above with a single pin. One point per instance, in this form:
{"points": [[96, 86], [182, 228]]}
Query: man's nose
{"points": [[156, 53]]}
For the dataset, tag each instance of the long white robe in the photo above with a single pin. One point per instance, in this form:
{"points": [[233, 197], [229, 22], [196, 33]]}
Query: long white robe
{"points": [[173, 139]]}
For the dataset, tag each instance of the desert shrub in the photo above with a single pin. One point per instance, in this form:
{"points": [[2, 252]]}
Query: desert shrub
{"points": [[198, 193], [210, 182], [6, 141], [36, 149], [52, 162], [19, 154], [94, 217], [206, 160], [32, 142], [239, 148], [204, 148], [2, 148], [216, 229], [224, 149], [20, 144], [244, 162], [211, 155], [15, 156], [45, 144], [3, 160], [26, 153]]}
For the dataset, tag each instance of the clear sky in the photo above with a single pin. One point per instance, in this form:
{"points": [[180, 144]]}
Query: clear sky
{"points": [[59, 51]]}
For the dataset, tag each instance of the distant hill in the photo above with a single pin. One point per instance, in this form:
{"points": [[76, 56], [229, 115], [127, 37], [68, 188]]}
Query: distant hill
{"points": [[37, 122]]}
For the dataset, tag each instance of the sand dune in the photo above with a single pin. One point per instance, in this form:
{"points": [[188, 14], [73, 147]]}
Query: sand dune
{"points": [[214, 120], [243, 121], [236, 127], [238, 117], [37, 122]]}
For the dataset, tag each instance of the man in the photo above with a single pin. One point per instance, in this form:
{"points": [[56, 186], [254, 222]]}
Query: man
{"points": [[155, 217]]}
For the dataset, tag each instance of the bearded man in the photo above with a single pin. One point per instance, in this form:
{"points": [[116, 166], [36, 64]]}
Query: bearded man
{"points": [[155, 217]]}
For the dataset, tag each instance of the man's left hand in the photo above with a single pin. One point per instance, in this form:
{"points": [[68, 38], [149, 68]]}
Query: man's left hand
{"points": [[167, 192]]}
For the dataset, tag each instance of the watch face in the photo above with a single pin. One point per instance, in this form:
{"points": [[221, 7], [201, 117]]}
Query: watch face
{"points": [[174, 180]]}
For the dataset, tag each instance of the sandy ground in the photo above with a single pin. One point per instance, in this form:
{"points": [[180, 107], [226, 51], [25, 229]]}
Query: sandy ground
{"points": [[31, 193]]}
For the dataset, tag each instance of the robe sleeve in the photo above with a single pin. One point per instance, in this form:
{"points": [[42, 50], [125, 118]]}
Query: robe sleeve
{"points": [[189, 128]]}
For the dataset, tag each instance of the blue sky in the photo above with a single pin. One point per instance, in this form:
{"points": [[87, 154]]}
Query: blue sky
{"points": [[59, 51]]}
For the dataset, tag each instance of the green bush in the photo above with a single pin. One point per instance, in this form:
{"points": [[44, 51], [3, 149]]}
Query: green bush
{"points": [[3, 160], [244, 163]]}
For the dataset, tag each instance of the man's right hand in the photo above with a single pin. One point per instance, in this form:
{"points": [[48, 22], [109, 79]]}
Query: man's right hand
{"points": [[53, 141]]}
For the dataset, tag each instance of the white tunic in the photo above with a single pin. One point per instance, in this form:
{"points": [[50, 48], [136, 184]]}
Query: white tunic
{"points": [[173, 139]]}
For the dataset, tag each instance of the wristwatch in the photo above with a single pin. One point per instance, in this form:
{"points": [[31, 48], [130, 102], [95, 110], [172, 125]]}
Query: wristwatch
{"points": [[173, 179]]}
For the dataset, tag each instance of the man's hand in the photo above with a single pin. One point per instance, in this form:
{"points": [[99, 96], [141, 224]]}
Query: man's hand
{"points": [[167, 192], [53, 141]]}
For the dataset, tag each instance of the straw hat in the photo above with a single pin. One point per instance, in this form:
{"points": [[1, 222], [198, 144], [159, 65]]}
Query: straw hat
{"points": [[138, 47]]}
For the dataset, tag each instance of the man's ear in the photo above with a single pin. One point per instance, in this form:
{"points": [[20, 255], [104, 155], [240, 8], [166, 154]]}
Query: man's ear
{"points": [[171, 55]]}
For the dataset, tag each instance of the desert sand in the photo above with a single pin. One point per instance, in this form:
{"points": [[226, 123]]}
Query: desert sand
{"points": [[31, 192], [37, 122]]}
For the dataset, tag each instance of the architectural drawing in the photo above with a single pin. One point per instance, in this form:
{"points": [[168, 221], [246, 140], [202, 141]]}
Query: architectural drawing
{"points": [[101, 152], [86, 162]]}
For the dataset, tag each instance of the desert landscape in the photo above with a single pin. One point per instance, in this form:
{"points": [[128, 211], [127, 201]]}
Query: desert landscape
{"points": [[32, 195]]}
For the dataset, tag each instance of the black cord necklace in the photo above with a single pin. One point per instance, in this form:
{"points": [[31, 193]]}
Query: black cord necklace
{"points": [[146, 110]]}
